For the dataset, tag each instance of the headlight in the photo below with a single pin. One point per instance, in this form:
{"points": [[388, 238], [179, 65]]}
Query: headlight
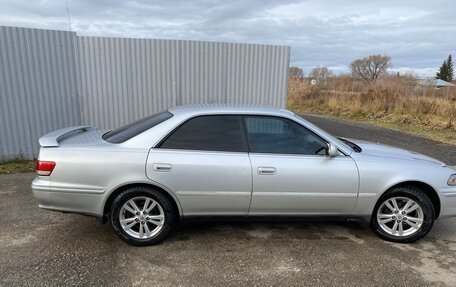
{"points": [[452, 180]]}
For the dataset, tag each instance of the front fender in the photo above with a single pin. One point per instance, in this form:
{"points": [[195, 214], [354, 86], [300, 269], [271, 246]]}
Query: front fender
{"points": [[378, 175]]}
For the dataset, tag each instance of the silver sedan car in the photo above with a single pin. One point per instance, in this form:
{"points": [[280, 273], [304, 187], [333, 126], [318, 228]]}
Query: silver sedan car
{"points": [[219, 161]]}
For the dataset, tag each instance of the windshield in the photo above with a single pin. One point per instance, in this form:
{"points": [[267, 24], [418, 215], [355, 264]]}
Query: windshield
{"points": [[131, 130]]}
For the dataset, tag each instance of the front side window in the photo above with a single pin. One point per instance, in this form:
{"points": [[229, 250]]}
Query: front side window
{"points": [[282, 136], [211, 133]]}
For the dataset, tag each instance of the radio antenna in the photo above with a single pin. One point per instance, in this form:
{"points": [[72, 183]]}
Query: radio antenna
{"points": [[68, 13]]}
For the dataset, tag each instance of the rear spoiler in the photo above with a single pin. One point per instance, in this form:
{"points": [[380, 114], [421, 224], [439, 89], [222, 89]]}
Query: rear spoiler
{"points": [[52, 139]]}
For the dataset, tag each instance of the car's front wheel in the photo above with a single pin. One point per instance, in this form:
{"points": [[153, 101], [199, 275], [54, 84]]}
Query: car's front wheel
{"points": [[403, 214], [142, 216]]}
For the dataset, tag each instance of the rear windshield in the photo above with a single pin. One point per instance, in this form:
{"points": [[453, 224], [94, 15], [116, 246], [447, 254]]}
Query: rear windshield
{"points": [[131, 130]]}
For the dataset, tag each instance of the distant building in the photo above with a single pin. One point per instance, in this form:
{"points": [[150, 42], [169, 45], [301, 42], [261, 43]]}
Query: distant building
{"points": [[438, 83]]}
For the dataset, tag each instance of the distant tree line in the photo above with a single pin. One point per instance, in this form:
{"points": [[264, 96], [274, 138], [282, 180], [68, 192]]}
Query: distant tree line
{"points": [[320, 74], [368, 70]]}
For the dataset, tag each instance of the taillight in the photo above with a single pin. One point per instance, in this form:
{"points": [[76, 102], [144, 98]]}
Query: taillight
{"points": [[44, 168]]}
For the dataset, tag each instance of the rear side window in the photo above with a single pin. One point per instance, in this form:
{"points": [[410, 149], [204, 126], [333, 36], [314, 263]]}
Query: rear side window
{"points": [[212, 133], [131, 130]]}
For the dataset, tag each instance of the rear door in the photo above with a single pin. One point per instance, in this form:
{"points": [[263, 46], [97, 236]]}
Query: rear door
{"points": [[292, 173], [204, 161]]}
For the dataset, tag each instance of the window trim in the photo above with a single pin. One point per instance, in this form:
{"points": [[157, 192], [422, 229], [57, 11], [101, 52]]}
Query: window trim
{"points": [[282, 118], [245, 136], [244, 139]]}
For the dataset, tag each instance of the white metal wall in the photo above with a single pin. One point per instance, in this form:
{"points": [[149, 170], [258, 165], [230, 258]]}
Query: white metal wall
{"points": [[52, 79], [37, 88], [121, 80]]}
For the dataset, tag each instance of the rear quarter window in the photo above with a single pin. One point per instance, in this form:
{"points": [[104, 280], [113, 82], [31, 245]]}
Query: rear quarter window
{"points": [[131, 130]]}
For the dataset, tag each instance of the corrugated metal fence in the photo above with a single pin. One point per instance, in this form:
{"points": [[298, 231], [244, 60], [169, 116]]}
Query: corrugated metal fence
{"points": [[52, 79], [38, 90]]}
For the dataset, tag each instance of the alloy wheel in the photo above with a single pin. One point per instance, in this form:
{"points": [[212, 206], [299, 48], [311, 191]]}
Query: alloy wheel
{"points": [[400, 216], [141, 217]]}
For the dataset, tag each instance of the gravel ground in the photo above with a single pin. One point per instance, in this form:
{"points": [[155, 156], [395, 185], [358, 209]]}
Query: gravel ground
{"points": [[43, 248]]}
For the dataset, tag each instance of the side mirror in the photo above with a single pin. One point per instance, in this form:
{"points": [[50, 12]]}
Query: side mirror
{"points": [[332, 150]]}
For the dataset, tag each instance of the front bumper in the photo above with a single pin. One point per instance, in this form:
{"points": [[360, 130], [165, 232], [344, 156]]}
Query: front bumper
{"points": [[67, 200]]}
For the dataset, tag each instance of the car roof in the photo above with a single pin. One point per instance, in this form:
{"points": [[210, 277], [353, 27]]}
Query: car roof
{"points": [[182, 113], [226, 108]]}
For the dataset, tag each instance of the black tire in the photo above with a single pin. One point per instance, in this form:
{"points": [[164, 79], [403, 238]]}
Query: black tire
{"points": [[420, 197], [162, 200]]}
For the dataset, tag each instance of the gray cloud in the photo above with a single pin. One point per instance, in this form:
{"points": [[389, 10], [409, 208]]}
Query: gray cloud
{"points": [[416, 34]]}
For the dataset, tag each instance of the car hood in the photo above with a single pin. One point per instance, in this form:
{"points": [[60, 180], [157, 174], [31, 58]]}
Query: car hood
{"points": [[381, 150]]}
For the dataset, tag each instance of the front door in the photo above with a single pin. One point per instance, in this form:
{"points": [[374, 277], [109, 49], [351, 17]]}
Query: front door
{"points": [[205, 163], [292, 175]]}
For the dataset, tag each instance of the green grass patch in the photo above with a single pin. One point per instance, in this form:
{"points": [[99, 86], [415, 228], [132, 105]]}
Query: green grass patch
{"points": [[15, 166]]}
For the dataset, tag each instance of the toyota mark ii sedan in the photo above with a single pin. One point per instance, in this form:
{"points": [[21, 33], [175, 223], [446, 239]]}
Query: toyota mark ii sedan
{"points": [[219, 161]]}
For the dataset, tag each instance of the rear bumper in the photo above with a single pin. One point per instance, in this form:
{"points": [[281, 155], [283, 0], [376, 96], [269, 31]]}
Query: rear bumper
{"points": [[66, 200]]}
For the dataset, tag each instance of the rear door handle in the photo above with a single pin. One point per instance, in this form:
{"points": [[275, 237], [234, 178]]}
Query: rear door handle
{"points": [[162, 167], [266, 170]]}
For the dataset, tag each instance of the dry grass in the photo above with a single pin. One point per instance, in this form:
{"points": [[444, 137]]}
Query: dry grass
{"points": [[16, 166], [397, 102]]}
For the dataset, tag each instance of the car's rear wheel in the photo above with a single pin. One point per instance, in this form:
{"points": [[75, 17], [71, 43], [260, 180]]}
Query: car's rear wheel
{"points": [[403, 214], [142, 216]]}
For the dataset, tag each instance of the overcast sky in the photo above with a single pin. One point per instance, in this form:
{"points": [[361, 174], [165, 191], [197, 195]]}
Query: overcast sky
{"points": [[416, 34]]}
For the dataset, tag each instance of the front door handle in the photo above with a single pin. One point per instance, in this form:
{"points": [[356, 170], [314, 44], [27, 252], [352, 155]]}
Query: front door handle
{"points": [[266, 170], [162, 167]]}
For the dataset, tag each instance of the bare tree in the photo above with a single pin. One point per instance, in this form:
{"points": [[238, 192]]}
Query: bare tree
{"points": [[295, 72], [370, 68], [321, 74]]}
